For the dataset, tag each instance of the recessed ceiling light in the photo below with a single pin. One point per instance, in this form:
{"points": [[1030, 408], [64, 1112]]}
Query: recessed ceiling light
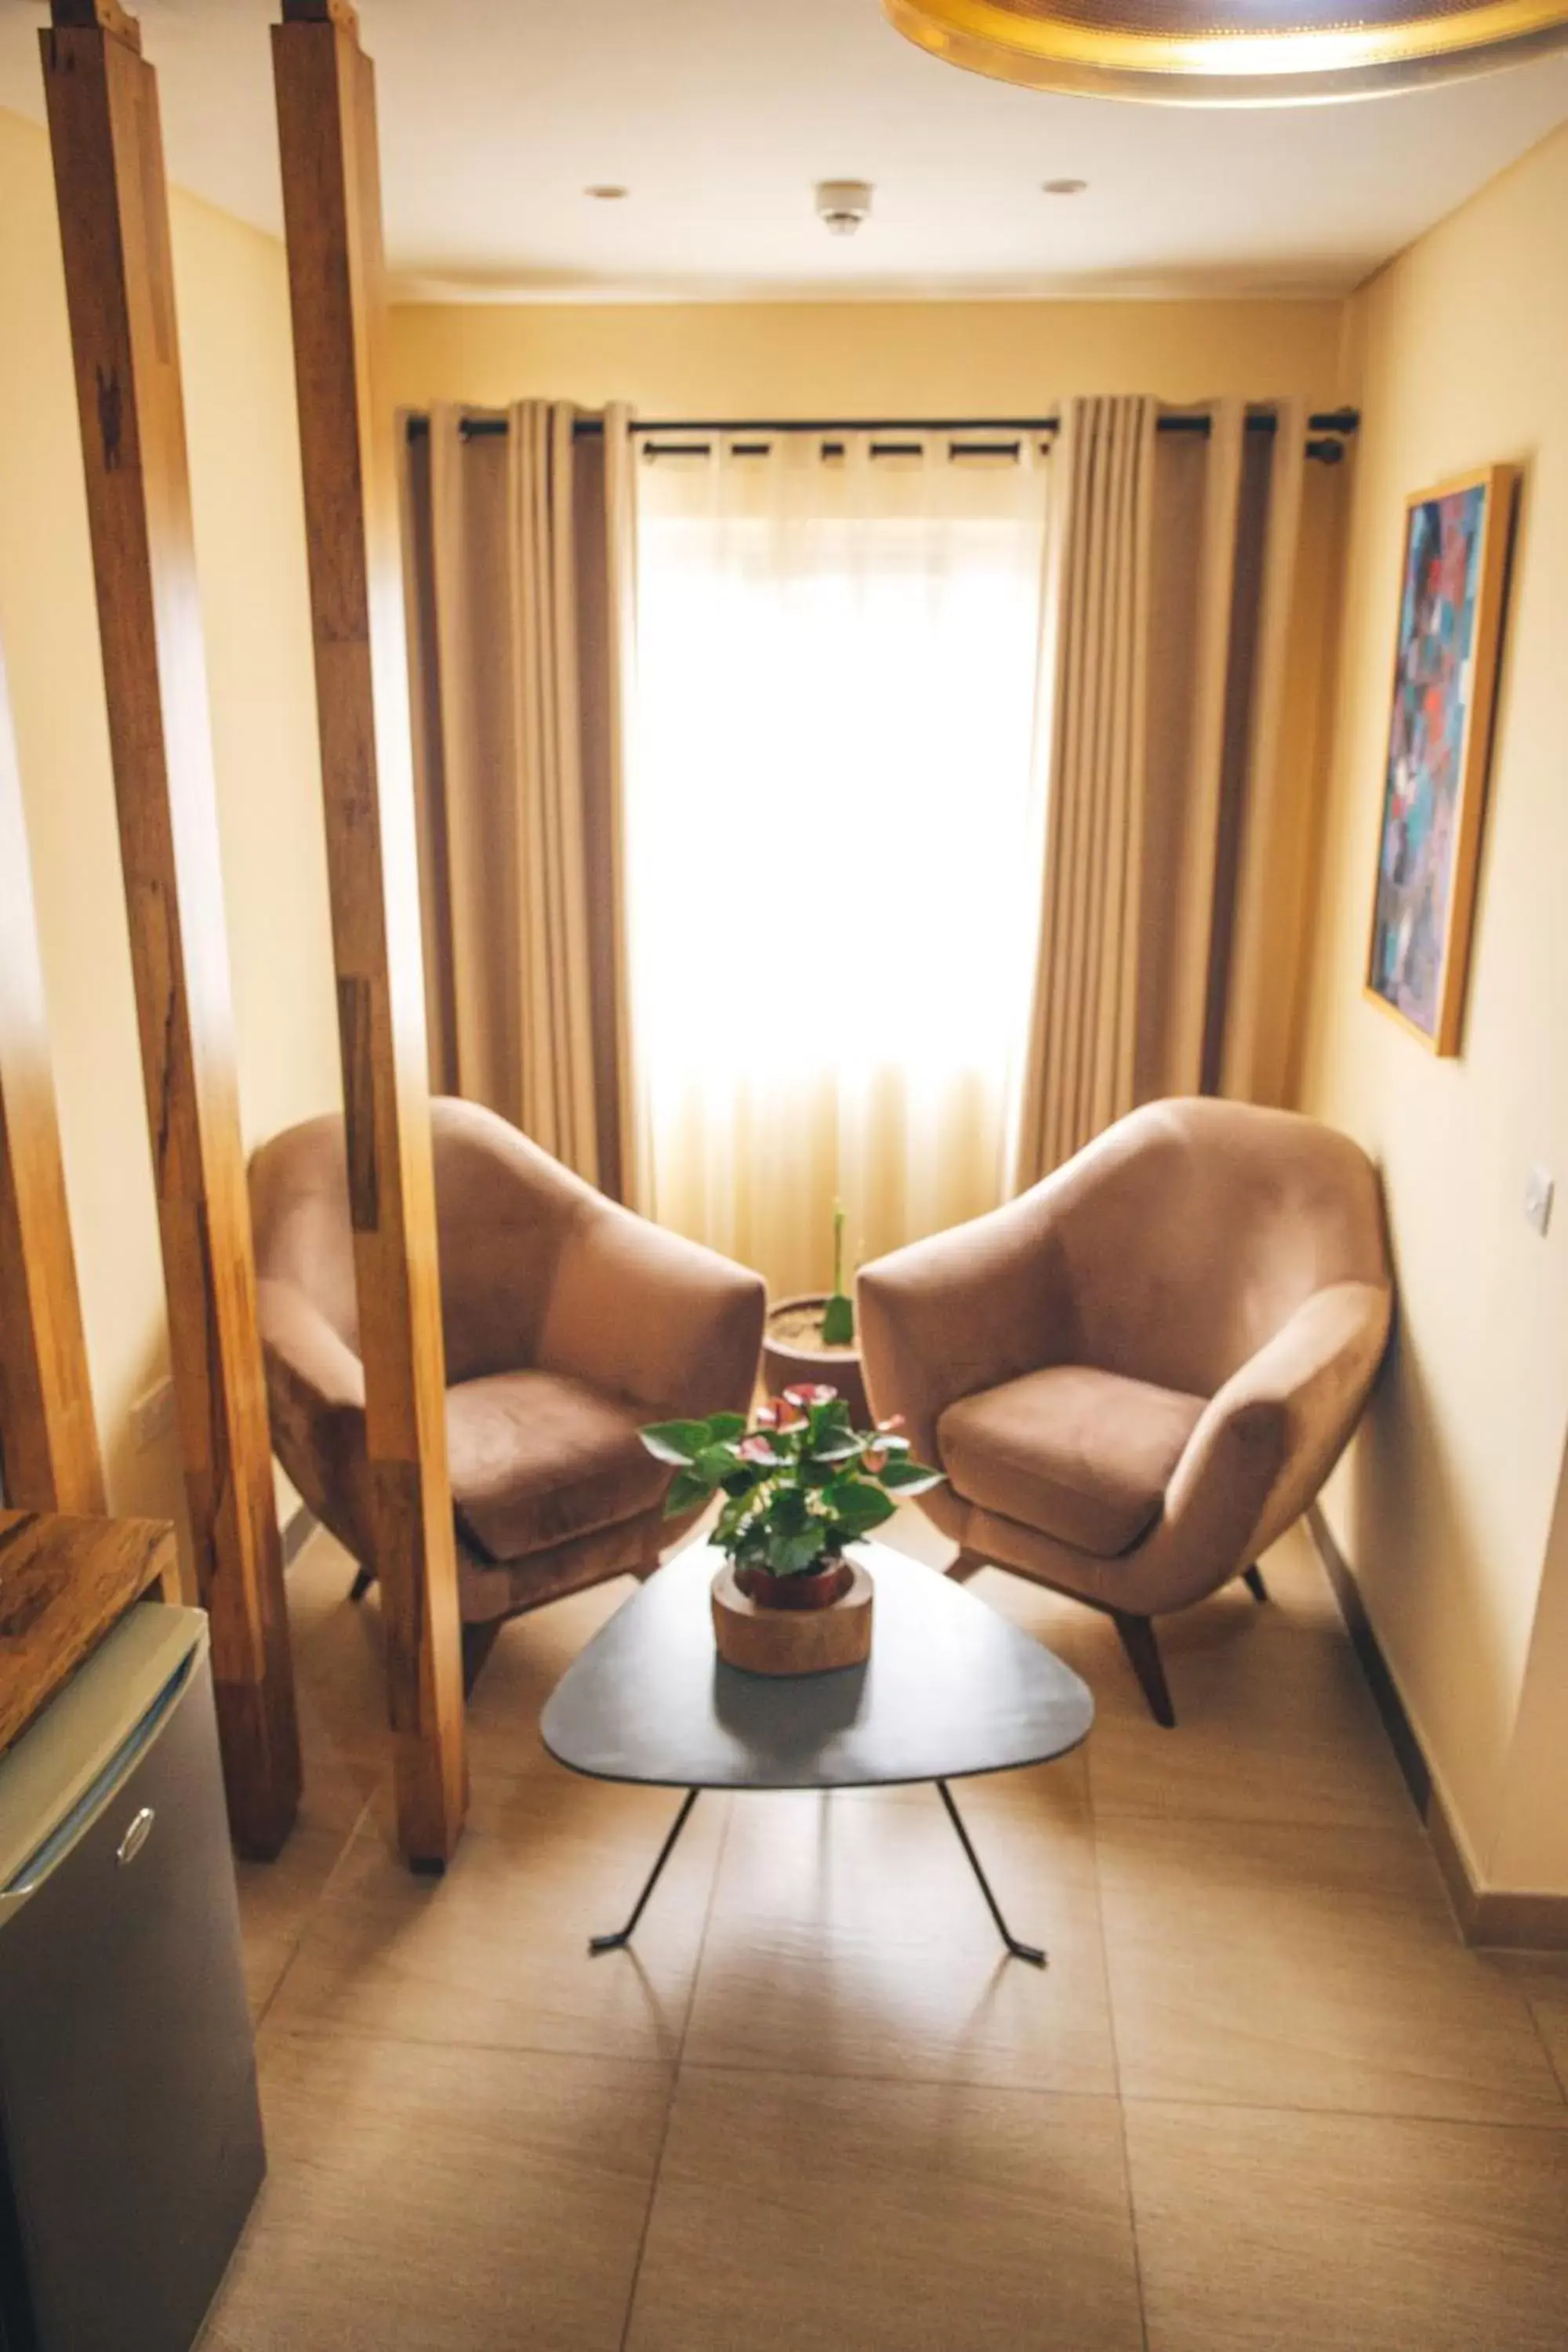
{"points": [[607, 193], [1063, 187]]}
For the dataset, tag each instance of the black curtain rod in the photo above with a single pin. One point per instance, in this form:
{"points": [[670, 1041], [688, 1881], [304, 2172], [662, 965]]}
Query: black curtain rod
{"points": [[1327, 427]]}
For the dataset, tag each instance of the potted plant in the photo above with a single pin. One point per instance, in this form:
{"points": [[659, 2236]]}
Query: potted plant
{"points": [[799, 1485], [810, 1341]]}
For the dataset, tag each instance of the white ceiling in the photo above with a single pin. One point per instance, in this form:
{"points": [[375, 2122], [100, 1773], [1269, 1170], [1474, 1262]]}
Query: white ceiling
{"points": [[721, 114]]}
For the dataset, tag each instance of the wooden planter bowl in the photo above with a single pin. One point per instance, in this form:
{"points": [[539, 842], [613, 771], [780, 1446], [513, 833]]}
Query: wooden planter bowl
{"points": [[788, 1365], [760, 1640]]}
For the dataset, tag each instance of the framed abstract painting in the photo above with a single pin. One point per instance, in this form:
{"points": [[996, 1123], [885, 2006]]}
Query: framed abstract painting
{"points": [[1452, 585]]}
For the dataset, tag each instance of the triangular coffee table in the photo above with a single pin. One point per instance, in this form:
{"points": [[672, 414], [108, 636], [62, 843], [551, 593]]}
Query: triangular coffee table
{"points": [[951, 1689]]}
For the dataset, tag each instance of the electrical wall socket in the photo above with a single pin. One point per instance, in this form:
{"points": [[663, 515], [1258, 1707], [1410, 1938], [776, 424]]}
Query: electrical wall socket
{"points": [[152, 1415], [1540, 1189]]}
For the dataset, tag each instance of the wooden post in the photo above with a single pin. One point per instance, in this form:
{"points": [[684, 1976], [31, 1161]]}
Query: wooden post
{"points": [[332, 210], [114, 230], [49, 1442]]}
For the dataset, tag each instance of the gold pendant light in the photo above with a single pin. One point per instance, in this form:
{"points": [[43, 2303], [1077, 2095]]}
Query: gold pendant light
{"points": [[1232, 52]]}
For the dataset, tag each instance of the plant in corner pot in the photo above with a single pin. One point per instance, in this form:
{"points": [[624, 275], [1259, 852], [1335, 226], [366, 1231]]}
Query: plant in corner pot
{"points": [[797, 1487], [810, 1339], [838, 1307]]}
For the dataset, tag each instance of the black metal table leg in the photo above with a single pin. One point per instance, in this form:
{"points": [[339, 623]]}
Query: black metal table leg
{"points": [[623, 1936], [1030, 1952]]}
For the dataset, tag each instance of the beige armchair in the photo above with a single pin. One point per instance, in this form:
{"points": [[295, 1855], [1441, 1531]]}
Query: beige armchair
{"points": [[568, 1323], [1140, 1372]]}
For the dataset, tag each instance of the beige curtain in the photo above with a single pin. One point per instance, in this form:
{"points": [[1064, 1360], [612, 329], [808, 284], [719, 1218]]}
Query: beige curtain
{"points": [[519, 553], [1078, 1075], [1177, 683]]}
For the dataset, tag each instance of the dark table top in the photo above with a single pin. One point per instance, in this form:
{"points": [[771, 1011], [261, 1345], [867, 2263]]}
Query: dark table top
{"points": [[950, 1688]]}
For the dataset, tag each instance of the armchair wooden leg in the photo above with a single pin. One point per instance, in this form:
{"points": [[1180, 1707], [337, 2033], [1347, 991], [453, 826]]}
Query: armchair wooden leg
{"points": [[479, 1641], [967, 1564], [1253, 1579], [1144, 1656], [363, 1578]]}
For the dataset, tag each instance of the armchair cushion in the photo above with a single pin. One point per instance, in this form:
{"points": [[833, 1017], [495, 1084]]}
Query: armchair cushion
{"points": [[1082, 1454], [538, 1458]]}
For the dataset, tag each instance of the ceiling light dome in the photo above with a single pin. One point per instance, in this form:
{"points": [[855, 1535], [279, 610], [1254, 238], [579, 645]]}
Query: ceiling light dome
{"points": [[1232, 52]]}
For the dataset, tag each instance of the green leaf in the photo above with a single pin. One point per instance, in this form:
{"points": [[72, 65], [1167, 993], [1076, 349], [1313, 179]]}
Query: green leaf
{"points": [[838, 1321], [836, 1445], [686, 1491], [790, 1555], [679, 1442], [857, 1507], [910, 1477], [724, 1428], [787, 1511], [716, 1462], [828, 1434]]}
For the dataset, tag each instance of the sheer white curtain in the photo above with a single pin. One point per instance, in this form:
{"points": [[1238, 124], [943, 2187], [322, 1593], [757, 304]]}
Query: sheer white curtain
{"points": [[832, 842]]}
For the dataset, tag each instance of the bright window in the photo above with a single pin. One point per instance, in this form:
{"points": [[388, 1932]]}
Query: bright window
{"points": [[832, 838]]}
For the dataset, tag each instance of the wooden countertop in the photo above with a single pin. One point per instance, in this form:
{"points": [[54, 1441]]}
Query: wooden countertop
{"points": [[64, 1583]]}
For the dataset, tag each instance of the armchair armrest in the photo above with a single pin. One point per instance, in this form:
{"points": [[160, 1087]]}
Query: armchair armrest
{"points": [[981, 1304], [648, 1316], [315, 1402], [1264, 1444]]}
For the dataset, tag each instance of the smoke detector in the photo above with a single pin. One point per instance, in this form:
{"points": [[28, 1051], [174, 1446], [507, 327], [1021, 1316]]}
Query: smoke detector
{"points": [[843, 205]]}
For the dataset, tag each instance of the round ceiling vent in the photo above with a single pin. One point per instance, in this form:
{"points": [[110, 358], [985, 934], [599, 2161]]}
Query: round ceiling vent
{"points": [[843, 205], [1232, 52]]}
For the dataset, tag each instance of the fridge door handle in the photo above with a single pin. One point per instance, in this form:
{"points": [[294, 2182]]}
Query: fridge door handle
{"points": [[89, 1806], [136, 1835]]}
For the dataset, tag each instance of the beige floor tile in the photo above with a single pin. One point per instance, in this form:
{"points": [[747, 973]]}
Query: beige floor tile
{"points": [[341, 1766], [318, 1579], [339, 1661], [1548, 1997], [1548, 2001], [529, 1657], [496, 1951], [847, 1937], [1263, 2232], [796, 2214], [1306, 1967], [1274, 1723], [1542, 1979], [443, 2201], [277, 1899]]}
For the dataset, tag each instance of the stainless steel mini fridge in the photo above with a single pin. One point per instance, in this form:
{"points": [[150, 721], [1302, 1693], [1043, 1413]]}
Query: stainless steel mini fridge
{"points": [[130, 2136]]}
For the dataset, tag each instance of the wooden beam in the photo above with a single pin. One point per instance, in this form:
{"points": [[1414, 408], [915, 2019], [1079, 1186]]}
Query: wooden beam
{"points": [[332, 209], [114, 230], [48, 1442]]}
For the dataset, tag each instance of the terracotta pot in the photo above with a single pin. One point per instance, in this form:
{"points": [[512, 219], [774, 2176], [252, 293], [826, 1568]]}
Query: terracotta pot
{"points": [[814, 1588], [788, 1364]]}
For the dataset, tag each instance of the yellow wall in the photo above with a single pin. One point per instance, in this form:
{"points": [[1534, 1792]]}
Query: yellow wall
{"points": [[234, 346], [881, 358], [1448, 1506]]}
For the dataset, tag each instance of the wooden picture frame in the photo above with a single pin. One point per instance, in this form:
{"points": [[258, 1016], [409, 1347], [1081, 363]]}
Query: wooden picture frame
{"points": [[1452, 585]]}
